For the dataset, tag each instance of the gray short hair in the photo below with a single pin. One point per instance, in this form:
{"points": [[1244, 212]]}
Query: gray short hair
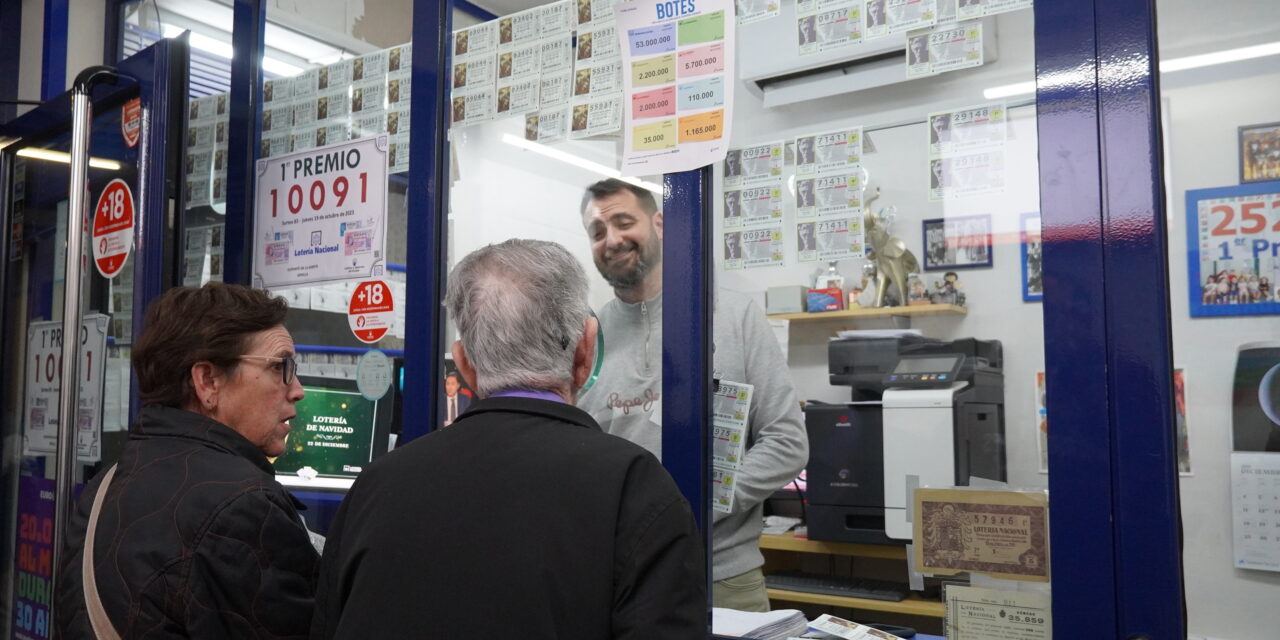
{"points": [[520, 308]]}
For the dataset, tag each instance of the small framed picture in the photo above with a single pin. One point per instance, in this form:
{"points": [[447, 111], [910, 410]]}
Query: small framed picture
{"points": [[957, 243], [1260, 152], [1032, 263]]}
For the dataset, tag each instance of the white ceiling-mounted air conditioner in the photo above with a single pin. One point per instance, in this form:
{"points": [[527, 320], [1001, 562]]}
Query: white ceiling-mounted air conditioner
{"points": [[770, 64]]}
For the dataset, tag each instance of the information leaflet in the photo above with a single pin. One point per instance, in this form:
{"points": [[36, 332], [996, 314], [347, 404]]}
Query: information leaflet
{"points": [[44, 382], [678, 83], [320, 215]]}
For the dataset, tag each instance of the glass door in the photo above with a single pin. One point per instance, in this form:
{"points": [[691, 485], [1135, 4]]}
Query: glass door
{"points": [[127, 259]]}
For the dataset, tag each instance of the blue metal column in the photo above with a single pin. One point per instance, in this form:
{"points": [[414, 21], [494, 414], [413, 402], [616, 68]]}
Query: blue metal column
{"points": [[1145, 470], [686, 339], [1080, 446], [686, 344], [248, 42], [427, 214], [53, 71]]}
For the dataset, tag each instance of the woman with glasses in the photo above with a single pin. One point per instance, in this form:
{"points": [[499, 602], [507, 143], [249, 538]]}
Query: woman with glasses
{"points": [[189, 534]]}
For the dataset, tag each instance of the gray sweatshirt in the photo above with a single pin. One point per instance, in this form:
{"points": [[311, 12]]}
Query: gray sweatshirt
{"points": [[627, 402]]}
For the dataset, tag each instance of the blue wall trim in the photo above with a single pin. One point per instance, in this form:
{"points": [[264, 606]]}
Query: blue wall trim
{"points": [[249, 27], [427, 215], [53, 72]]}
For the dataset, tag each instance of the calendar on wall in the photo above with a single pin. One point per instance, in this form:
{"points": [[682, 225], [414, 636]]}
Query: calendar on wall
{"points": [[1255, 510]]}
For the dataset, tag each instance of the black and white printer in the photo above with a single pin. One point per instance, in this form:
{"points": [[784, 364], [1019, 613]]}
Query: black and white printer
{"points": [[923, 412]]}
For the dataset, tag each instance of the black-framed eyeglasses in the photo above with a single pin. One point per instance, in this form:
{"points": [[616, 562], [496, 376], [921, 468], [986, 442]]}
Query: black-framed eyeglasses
{"points": [[288, 366]]}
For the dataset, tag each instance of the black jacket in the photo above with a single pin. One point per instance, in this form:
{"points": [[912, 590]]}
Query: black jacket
{"points": [[521, 520], [196, 539]]}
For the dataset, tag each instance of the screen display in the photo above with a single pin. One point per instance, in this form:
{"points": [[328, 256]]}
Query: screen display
{"points": [[926, 365], [333, 433]]}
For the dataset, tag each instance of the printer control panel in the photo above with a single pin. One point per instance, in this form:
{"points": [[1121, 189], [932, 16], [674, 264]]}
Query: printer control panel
{"points": [[925, 371]]}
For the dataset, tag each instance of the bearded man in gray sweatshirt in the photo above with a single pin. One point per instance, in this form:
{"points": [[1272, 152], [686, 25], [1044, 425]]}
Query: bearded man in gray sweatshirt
{"points": [[624, 227]]}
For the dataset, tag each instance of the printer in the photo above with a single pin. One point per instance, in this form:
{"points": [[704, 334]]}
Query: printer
{"points": [[923, 412]]}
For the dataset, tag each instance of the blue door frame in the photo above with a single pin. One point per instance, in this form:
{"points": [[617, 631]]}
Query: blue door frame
{"points": [[1116, 542]]}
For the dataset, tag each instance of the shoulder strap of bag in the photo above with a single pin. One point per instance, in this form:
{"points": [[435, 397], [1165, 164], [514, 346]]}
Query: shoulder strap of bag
{"points": [[102, 627]]}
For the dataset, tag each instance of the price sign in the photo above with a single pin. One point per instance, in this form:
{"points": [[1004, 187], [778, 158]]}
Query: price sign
{"points": [[320, 214], [702, 60], [702, 127], [113, 228], [44, 383], [654, 71], [679, 57], [658, 135], [371, 311], [654, 104], [649, 40]]}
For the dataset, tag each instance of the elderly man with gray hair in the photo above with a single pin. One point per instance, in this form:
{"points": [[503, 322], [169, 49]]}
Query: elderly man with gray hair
{"points": [[522, 518]]}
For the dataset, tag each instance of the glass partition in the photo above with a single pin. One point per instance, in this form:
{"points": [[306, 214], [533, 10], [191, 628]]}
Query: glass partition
{"points": [[352, 82], [880, 204], [1218, 78]]}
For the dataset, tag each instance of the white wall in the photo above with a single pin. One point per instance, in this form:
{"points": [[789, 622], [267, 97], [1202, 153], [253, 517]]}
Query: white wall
{"points": [[1222, 601], [504, 192]]}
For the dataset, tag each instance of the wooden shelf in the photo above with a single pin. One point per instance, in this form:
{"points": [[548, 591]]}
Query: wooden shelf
{"points": [[913, 605], [789, 542], [881, 312]]}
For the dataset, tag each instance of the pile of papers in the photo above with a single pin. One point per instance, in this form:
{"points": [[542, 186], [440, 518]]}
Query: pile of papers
{"points": [[774, 625]]}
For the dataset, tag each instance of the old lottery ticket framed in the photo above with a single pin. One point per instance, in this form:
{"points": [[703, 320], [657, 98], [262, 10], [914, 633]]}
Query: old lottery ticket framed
{"points": [[941, 49], [1233, 250], [678, 79], [1004, 534], [321, 215]]}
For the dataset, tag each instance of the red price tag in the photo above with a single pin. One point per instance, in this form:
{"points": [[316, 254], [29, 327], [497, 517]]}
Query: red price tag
{"points": [[371, 311], [113, 228]]}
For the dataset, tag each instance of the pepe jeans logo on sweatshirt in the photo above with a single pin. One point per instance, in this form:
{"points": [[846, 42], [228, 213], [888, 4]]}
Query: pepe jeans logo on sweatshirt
{"points": [[643, 401]]}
